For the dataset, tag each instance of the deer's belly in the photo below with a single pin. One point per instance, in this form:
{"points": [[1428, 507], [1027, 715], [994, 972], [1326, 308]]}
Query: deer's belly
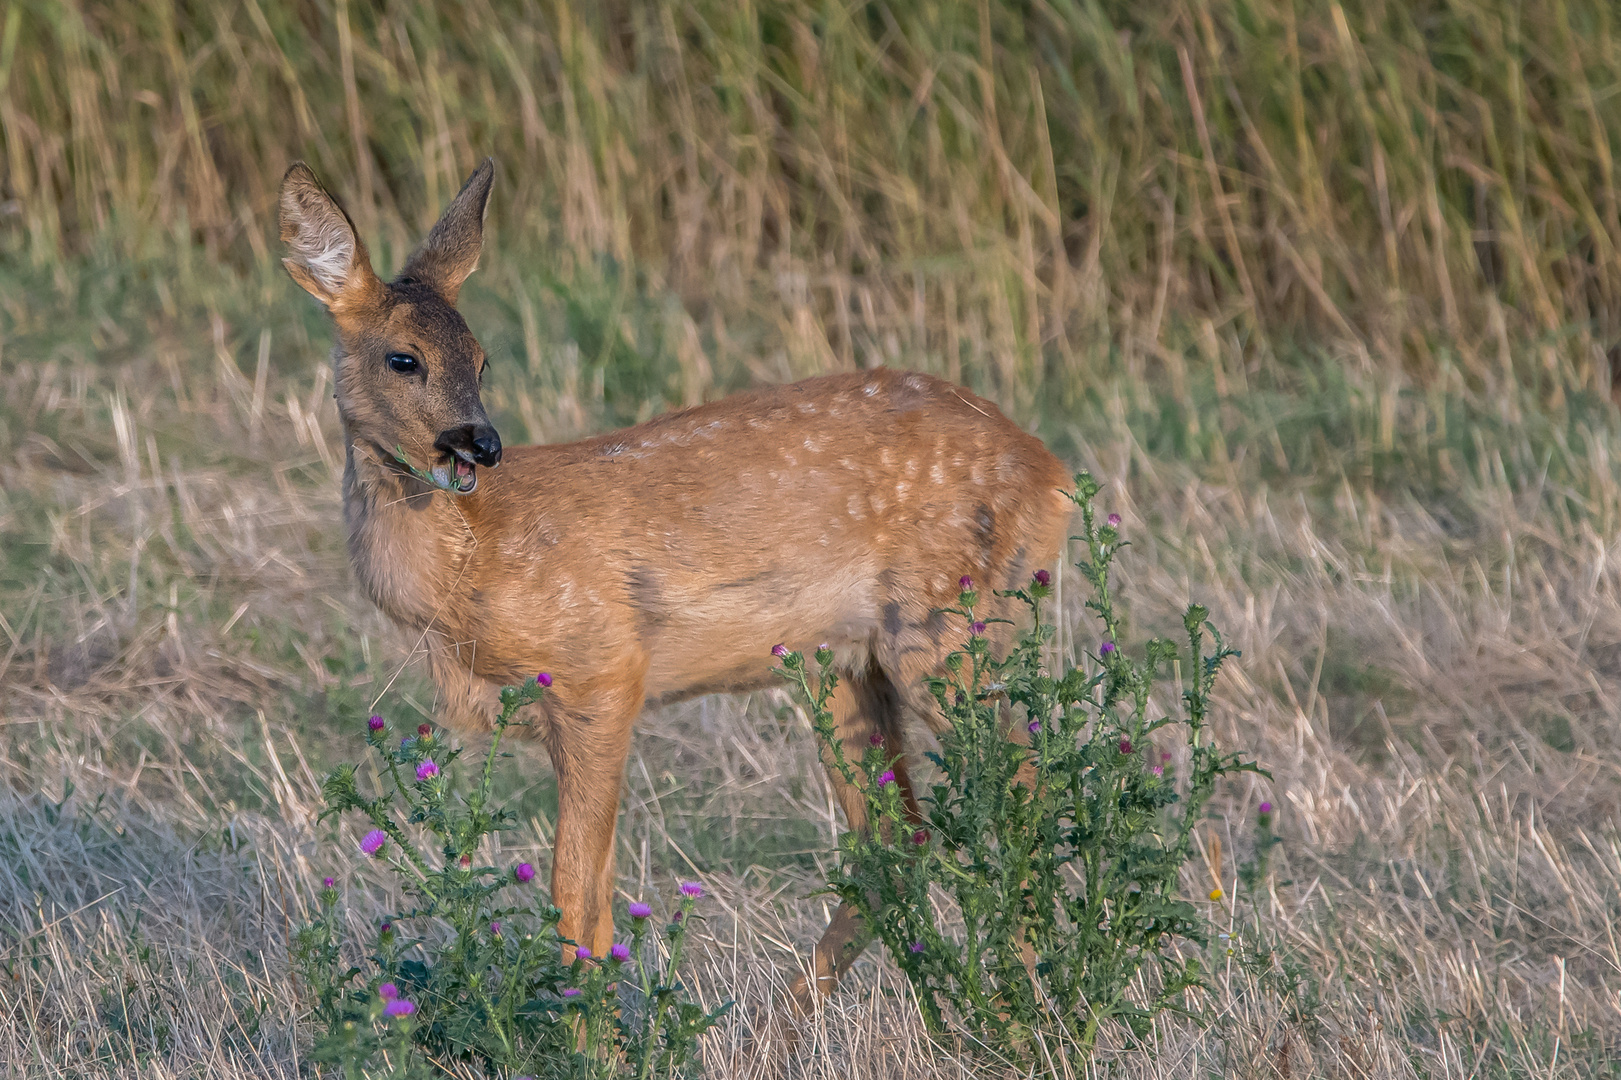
{"points": [[721, 636]]}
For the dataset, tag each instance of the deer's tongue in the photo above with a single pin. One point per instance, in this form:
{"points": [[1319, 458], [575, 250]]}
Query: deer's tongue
{"points": [[466, 478]]}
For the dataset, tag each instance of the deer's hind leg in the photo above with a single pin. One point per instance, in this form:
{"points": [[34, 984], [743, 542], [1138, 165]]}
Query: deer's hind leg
{"points": [[862, 705]]}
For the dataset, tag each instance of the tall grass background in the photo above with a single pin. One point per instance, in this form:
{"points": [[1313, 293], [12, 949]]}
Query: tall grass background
{"points": [[1008, 192], [1330, 293]]}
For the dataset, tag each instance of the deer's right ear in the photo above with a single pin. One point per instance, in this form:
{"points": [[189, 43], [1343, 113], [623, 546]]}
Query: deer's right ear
{"points": [[324, 253]]}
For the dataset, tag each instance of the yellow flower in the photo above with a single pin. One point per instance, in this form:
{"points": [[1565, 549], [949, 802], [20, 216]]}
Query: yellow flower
{"points": [[1216, 894]]}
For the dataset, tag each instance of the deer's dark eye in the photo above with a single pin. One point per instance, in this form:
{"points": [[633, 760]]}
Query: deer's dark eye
{"points": [[404, 363]]}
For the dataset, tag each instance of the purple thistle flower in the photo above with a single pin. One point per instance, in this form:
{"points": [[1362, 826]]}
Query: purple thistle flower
{"points": [[965, 583], [620, 951], [920, 837], [525, 873], [425, 730], [887, 778], [1106, 648], [326, 883], [917, 946], [1035, 727], [1125, 746], [386, 927], [495, 927], [427, 771], [1165, 756], [1158, 770], [1114, 521], [543, 680], [692, 889], [373, 841], [977, 628], [582, 952], [571, 991], [399, 1007], [1266, 808], [640, 911], [676, 917], [388, 991], [1043, 578], [375, 723], [876, 738], [779, 650]]}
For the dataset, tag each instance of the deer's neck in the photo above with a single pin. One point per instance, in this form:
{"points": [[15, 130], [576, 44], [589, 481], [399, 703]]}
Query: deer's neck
{"points": [[408, 542]]}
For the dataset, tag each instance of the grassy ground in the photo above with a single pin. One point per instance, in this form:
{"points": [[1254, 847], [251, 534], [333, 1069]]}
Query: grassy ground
{"points": [[1324, 295]]}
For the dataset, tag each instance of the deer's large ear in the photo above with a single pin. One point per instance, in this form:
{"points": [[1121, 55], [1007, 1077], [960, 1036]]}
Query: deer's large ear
{"points": [[451, 251], [324, 253]]}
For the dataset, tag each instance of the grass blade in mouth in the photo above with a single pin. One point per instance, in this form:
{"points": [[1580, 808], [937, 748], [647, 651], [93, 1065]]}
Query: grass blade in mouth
{"points": [[441, 476]]}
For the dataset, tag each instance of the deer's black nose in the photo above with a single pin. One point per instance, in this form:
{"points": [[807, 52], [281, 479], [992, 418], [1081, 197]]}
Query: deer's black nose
{"points": [[478, 441], [487, 448]]}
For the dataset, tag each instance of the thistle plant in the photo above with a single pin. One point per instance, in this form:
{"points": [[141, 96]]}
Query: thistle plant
{"points": [[1056, 827], [471, 969]]}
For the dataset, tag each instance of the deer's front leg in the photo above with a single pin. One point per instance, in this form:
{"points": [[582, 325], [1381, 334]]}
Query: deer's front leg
{"points": [[588, 747], [468, 702]]}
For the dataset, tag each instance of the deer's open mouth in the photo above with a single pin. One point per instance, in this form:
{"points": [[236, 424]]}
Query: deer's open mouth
{"points": [[456, 473]]}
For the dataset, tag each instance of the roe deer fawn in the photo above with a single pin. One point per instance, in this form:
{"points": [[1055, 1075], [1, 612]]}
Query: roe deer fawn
{"points": [[665, 560]]}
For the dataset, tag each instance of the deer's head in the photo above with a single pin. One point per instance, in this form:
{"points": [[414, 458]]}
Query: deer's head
{"points": [[407, 367]]}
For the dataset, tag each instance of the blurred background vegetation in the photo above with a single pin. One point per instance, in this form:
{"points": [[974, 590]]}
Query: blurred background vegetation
{"points": [[1017, 194]]}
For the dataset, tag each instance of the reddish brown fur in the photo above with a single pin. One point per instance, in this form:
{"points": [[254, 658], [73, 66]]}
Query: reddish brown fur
{"points": [[663, 561]]}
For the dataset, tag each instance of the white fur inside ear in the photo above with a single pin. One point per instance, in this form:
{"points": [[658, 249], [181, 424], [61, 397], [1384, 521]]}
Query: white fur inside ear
{"points": [[326, 248]]}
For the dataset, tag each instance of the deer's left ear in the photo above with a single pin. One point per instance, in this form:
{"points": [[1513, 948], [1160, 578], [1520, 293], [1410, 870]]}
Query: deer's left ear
{"points": [[451, 251]]}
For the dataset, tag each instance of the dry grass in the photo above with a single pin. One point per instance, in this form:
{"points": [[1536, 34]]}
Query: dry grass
{"points": [[1407, 526], [1426, 678]]}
